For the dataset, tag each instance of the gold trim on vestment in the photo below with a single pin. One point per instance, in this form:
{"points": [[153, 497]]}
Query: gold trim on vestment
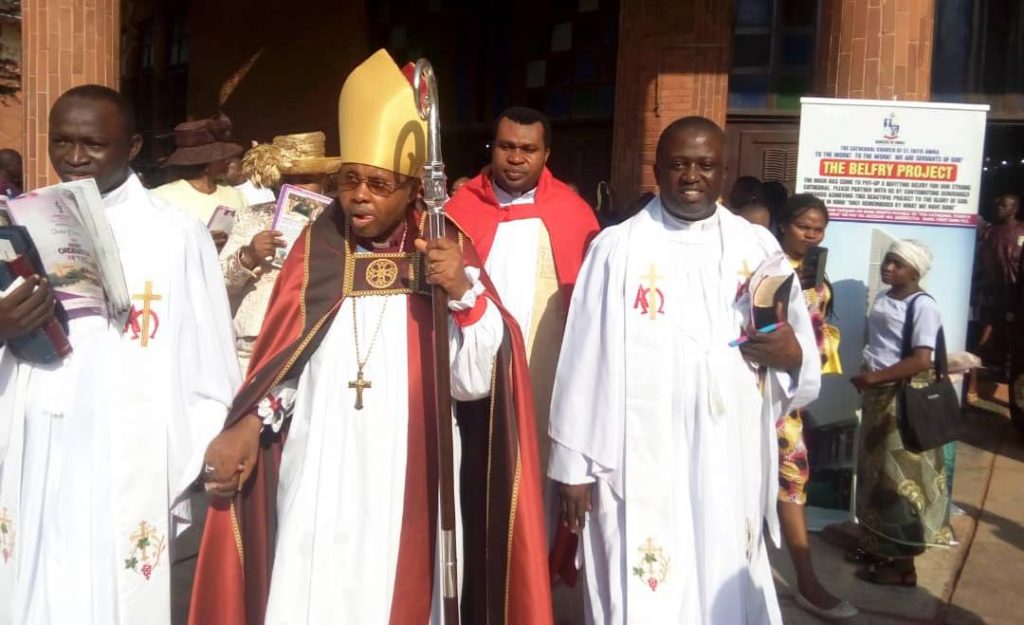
{"points": [[490, 455], [512, 527], [305, 274], [238, 538]]}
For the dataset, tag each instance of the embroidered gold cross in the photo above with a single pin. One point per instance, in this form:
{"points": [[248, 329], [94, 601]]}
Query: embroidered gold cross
{"points": [[652, 278], [360, 384], [745, 271], [146, 298]]}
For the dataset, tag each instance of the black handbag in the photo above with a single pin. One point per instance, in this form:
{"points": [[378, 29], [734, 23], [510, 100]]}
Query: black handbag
{"points": [[929, 416]]}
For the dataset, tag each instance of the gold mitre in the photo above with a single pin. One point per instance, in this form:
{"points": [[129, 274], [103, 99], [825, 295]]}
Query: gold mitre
{"points": [[377, 118]]}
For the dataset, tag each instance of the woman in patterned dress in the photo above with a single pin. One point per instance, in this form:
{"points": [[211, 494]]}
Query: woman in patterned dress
{"points": [[802, 225], [902, 497]]}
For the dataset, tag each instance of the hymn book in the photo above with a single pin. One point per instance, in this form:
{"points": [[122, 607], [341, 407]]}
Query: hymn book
{"points": [[770, 287], [222, 220], [68, 226], [19, 260]]}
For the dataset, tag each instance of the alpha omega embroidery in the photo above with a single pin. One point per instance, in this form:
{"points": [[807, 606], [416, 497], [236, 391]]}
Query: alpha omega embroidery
{"points": [[144, 323], [650, 300]]}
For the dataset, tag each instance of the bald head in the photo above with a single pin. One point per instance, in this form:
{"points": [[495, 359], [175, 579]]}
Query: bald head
{"points": [[99, 93], [691, 124]]}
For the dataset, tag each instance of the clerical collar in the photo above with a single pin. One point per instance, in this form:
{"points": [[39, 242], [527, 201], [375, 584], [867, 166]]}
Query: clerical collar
{"points": [[394, 244], [511, 199], [676, 223], [119, 193]]}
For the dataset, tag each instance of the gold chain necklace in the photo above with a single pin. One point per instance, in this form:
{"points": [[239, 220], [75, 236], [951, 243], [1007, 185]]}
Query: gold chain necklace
{"points": [[360, 384]]}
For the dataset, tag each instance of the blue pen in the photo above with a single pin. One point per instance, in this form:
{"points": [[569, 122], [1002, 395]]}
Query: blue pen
{"points": [[768, 329]]}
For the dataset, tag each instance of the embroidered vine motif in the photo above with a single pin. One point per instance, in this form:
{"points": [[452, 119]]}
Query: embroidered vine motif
{"points": [[147, 547], [653, 565], [6, 535]]}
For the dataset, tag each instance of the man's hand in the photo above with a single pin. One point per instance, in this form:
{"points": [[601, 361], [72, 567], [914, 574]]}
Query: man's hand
{"points": [[26, 308], [443, 263], [219, 239], [778, 349], [231, 457], [575, 502]]}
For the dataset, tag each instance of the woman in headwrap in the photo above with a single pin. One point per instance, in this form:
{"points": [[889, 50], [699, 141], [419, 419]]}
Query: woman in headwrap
{"points": [[902, 499]]}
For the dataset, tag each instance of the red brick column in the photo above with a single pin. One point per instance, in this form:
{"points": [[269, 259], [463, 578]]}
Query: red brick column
{"points": [[875, 49], [673, 61], [64, 43]]}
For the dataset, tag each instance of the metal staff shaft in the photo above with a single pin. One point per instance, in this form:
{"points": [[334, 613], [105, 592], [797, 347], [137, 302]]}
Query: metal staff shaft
{"points": [[435, 195]]}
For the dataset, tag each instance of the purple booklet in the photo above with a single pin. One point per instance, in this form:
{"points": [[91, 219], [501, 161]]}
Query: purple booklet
{"points": [[296, 209]]}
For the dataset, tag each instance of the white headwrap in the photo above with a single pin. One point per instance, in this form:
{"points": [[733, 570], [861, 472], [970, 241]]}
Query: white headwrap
{"points": [[915, 253]]}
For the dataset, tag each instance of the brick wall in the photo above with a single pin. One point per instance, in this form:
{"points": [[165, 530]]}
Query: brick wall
{"points": [[65, 43], [673, 61], [875, 49]]}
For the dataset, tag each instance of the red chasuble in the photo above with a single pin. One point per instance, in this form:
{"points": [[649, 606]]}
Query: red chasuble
{"points": [[501, 477], [570, 222]]}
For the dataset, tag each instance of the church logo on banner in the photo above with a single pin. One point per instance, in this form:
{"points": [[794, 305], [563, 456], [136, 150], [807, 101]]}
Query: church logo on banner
{"points": [[147, 546], [649, 299], [652, 567], [6, 535]]}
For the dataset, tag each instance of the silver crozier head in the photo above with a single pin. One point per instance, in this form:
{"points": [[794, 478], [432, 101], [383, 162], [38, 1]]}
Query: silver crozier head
{"points": [[435, 187]]}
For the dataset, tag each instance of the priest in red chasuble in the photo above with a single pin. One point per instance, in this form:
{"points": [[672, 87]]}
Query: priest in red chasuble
{"points": [[532, 232], [332, 439]]}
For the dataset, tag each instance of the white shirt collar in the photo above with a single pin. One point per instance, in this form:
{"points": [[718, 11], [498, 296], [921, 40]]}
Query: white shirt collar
{"points": [[675, 223], [510, 199]]}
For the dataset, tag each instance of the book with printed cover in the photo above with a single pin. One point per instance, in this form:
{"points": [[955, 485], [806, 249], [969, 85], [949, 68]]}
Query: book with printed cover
{"points": [[770, 288], [222, 220], [68, 226], [19, 260], [296, 209]]}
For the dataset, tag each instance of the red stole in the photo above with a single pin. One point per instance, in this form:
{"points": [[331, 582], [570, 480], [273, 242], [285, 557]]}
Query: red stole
{"points": [[570, 222], [232, 580]]}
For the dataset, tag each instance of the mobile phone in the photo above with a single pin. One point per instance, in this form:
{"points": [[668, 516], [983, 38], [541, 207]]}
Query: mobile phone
{"points": [[815, 259]]}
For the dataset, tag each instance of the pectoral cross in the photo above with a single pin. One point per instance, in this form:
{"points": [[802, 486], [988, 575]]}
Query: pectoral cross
{"points": [[652, 278], [360, 384], [146, 298]]}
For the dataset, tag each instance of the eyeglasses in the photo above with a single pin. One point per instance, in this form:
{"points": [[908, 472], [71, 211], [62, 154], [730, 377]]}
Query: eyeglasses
{"points": [[349, 181]]}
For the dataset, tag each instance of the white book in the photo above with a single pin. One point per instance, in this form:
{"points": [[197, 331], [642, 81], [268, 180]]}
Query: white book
{"points": [[69, 227], [222, 220]]}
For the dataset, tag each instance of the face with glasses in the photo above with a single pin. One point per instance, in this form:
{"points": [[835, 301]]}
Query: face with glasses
{"points": [[374, 200]]}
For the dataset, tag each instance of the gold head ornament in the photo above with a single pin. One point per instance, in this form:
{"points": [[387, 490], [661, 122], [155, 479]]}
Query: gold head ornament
{"points": [[378, 121], [296, 154]]}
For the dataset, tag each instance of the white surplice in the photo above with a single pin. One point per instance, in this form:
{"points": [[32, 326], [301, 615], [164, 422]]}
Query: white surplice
{"points": [[521, 265], [97, 451], [670, 423], [342, 483]]}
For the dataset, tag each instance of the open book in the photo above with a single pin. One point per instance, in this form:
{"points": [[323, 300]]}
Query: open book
{"points": [[68, 225]]}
